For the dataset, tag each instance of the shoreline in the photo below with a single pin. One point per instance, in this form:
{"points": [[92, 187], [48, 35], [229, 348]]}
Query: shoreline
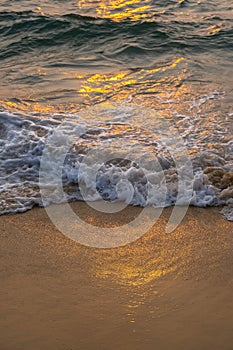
{"points": [[161, 291]]}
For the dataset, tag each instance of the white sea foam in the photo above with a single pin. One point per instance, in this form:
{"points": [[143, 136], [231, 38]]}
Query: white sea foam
{"points": [[113, 159]]}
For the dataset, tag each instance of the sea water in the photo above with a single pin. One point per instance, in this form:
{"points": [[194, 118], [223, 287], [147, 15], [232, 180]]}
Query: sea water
{"points": [[119, 100]]}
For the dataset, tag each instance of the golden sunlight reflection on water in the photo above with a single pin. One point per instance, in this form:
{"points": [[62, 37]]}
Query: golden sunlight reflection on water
{"points": [[163, 81], [118, 10], [130, 82]]}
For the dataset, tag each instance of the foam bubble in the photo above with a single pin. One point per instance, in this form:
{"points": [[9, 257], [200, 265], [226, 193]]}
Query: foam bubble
{"points": [[150, 179]]}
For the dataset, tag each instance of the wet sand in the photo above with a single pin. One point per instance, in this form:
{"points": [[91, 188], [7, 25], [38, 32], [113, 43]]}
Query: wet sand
{"points": [[163, 291]]}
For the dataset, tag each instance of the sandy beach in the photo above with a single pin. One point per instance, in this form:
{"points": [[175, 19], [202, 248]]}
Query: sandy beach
{"points": [[163, 291]]}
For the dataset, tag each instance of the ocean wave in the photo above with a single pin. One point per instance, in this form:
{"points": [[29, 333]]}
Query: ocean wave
{"points": [[106, 160], [172, 56], [78, 32]]}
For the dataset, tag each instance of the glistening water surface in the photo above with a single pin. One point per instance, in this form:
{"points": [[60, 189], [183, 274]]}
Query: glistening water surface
{"points": [[122, 75]]}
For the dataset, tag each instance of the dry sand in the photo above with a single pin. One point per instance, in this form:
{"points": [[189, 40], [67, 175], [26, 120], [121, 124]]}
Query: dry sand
{"points": [[163, 291]]}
